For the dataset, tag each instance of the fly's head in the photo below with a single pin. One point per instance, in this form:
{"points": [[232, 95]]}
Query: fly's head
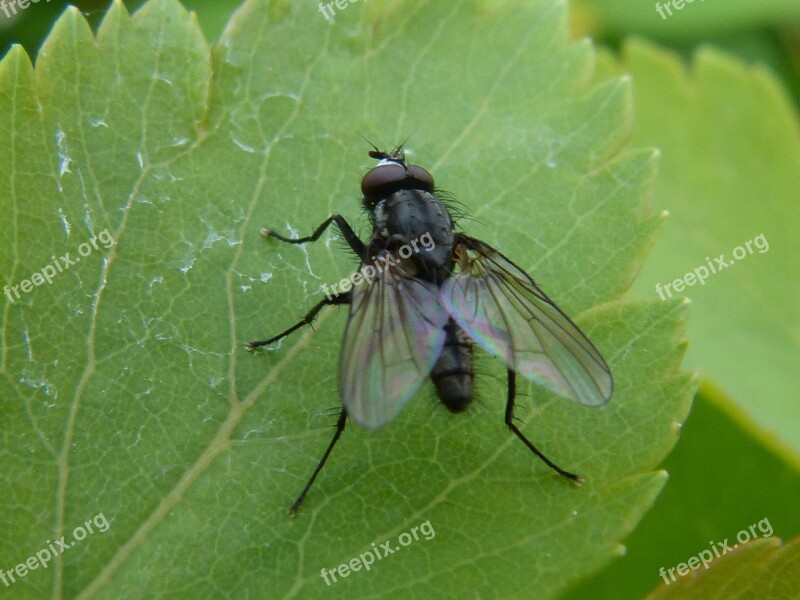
{"points": [[392, 174]]}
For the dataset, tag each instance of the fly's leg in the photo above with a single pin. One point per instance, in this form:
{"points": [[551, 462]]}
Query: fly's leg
{"points": [[512, 392], [349, 235], [358, 247], [355, 244], [307, 320], [339, 429]]}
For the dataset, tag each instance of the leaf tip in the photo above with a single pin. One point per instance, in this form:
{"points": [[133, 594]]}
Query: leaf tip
{"points": [[16, 56]]}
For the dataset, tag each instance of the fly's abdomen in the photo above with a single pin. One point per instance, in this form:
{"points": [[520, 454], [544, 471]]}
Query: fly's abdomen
{"points": [[452, 374]]}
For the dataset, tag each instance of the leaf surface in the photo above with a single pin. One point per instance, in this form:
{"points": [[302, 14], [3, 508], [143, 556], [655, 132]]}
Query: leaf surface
{"points": [[126, 389]]}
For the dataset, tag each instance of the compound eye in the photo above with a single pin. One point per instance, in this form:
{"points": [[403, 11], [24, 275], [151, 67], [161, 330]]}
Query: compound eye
{"points": [[381, 179], [422, 176], [388, 178]]}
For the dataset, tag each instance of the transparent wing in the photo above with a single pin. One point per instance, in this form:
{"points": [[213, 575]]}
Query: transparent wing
{"points": [[503, 311], [393, 337]]}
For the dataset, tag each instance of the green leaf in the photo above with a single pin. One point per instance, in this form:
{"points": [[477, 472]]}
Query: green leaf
{"points": [[719, 150], [761, 483], [126, 390], [731, 169], [762, 568], [681, 19]]}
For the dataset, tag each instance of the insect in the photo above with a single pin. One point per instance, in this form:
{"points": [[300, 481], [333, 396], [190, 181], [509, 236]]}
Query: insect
{"points": [[417, 314]]}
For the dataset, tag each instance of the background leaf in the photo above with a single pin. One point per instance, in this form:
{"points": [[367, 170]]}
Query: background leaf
{"points": [[728, 136], [761, 483], [758, 569], [694, 19], [728, 141], [126, 389]]}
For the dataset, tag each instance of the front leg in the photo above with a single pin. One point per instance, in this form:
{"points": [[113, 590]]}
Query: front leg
{"points": [[349, 235]]}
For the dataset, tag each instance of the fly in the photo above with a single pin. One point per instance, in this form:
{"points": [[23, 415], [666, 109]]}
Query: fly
{"points": [[415, 310]]}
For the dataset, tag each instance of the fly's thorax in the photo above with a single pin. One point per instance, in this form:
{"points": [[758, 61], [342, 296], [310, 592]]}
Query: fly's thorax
{"points": [[380, 220], [416, 219]]}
